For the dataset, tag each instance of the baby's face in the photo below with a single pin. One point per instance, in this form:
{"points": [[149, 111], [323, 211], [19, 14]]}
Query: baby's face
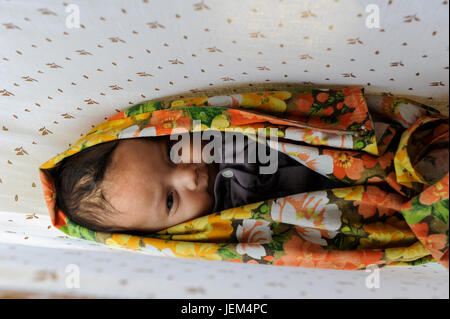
{"points": [[150, 191]]}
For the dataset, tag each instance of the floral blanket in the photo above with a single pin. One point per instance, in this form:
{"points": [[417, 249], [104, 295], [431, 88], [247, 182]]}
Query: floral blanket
{"points": [[394, 211]]}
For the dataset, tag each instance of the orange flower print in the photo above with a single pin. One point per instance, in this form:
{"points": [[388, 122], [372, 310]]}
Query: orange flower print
{"points": [[304, 102], [301, 253], [374, 199], [353, 259], [240, 117], [306, 254], [328, 111], [436, 192], [346, 120], [346, 164], [322, 97], [57, 217], [369, 161], [386, 160], [420, 229], [167, 120], [435, 241], [350, 91]]}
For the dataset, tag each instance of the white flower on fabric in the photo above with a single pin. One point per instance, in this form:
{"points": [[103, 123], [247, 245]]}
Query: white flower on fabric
{"points": [[166, 252], [309, 210], [251, 235], [312, 235], [131, 131], [148, 131], [409, 114], [306, 155], [253, 250], [226, 100], [134, 131]]}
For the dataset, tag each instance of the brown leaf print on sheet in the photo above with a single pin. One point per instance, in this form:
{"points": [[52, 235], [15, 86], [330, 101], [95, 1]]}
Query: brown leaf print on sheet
{"points": [[11, 26], [354, 41], [200, 6], [67, 116], [399, 63], [440, 83], [116, 39], [263, 68], [307, 14], [29, 79], [90, 101], [20, 151], [115, 87], [155, 25], [54, 65], [348, 75], [176, 61], [45, 11], [144, 74], [306, 57], [6, 93], [83, 52], [257, 34], [213, 49], [411, 18], [45, 131]]}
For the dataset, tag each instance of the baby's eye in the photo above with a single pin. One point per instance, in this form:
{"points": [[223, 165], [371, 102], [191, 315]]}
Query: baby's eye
{"points": [[170, 201]]}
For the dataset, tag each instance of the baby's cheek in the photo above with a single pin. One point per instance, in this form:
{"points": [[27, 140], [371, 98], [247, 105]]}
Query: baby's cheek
{"points": [[202, 204]]}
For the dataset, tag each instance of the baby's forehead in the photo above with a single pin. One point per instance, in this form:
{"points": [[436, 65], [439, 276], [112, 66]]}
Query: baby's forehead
{"points": [[136, 147], [132, 157]]}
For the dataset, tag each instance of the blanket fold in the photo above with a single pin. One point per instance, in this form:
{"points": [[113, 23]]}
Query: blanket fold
{"points": [[393, 211]]}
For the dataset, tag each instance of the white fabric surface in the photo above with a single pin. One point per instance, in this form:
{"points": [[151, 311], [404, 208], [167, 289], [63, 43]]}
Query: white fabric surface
{"points": [[62, 81]]}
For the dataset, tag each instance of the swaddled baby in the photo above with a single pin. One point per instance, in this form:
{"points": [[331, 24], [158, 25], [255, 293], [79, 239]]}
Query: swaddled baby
{"points": [[142, 185]]}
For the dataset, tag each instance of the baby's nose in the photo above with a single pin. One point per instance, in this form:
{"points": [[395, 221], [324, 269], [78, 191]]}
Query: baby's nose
{"points": [[186, 176]]}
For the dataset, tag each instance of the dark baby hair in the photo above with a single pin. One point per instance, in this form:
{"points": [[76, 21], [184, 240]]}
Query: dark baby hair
{"points": [[78, 182]]}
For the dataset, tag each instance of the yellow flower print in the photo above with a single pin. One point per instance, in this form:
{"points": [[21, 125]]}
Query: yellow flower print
{"points": [[197, 101], [267, 101], [124, 241], [104, 132], [208, 227], [241, 212], [72, 150], [384, 234], [371, 148], [349, 193], [220, 121], [413, 252], [197, 250]]}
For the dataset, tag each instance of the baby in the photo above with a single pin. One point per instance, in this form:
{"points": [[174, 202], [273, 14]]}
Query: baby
{"points": [[135, 186]]}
